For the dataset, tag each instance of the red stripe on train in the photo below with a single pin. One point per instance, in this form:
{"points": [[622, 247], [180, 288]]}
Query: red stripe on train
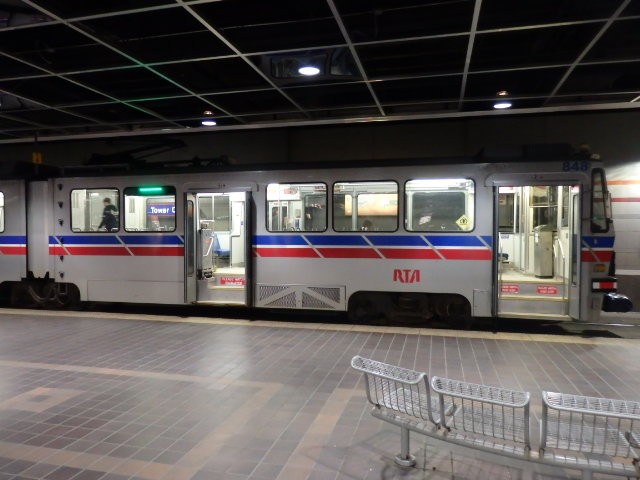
{"points": [[286, 252], [157, 251], [462, 254], [98, 251], [596, 255], [348, 253], [13, 250], [410, 253]]}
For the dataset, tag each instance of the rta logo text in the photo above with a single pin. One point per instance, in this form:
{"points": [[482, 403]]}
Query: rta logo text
{"points": [[406, 276]]}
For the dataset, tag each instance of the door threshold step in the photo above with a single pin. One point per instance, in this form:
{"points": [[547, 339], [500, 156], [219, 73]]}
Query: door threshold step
{"points": [[532, 298], [226, 288], [535, 316], [535, 281], [213, 303]]}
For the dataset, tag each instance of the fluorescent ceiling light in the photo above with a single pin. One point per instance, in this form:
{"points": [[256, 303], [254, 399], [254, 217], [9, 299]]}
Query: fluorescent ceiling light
{"points": [[209, 123], [308, 70]]}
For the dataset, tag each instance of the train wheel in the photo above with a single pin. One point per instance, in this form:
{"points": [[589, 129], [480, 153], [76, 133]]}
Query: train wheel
{"points": [[363, 308], [62, 295], [459, 311], [21, 297]]}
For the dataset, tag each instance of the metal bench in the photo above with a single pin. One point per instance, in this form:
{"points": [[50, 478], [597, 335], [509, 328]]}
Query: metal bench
{"points": [[400, 397], [594, 435], [484, 417]]}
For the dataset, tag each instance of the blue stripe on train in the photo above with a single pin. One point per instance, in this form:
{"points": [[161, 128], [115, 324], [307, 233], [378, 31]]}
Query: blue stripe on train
{"points": [[151, 239], [116, 240], [455, 241], [84, 240], [13, 239], [337, 240], [376, 240], [397, 240], [598, 242], [279, 240]]}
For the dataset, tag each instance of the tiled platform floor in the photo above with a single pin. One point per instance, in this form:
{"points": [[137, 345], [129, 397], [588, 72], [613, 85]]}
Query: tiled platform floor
{"points": [[87, 396]]}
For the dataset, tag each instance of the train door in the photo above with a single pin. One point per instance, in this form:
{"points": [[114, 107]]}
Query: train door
{"points": [[217, 255], [537, 259], [13, 230]]}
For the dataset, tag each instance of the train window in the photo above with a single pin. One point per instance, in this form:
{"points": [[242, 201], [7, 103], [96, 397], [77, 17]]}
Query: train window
{"points": [[297, 206], [543, 201], [150, 209], [564, 214], [369, 206], [508, 210], [600, 203], [95, 210], [1, 212], [440, 205]]}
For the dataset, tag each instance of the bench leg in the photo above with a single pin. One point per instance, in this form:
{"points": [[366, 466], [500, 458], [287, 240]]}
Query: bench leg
{"points": [[521, 474], [404, 458], [587, 475]]}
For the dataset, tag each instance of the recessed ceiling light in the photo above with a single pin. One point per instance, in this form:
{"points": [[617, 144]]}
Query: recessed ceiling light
{"points": [[308, 70], [502, 105]]}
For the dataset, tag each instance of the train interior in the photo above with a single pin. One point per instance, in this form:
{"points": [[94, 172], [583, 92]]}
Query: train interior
{"points": [[217, 248], [539, 226]]}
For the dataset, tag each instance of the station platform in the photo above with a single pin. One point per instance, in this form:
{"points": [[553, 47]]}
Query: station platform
{"points": [[96, 396]]}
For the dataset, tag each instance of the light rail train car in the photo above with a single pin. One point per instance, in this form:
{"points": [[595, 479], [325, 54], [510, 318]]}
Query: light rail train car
{"points": [[401, 243]]}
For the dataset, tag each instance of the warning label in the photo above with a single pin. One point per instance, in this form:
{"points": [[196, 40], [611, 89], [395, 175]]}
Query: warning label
{"points": [[547, 290], [510, 288], [232, 281], [463, 222]]}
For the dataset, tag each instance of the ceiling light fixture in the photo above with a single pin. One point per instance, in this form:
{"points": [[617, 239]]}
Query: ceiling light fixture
{"points": [[502, 102], [502, 105], [208, 120], [308, 70]]}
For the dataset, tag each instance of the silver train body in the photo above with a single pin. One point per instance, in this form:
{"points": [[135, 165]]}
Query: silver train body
{"points": [[401, 243]]}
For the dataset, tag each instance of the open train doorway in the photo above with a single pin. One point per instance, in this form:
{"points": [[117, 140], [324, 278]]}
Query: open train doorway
{"points": [[217, 248], [538, 251]]}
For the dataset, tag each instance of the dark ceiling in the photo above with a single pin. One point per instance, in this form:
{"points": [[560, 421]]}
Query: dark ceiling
{"points": [[89, 68]]}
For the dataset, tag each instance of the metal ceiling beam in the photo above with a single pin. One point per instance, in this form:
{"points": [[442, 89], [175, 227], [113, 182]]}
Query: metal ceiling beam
{"points": [[467, 60], [240, 55], [354, 53], [589, 46], [98, 16], [82, 85], [132, 59], [341, 121]]}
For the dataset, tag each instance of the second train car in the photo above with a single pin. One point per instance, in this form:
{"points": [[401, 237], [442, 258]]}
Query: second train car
{"points": [[400, 243]]}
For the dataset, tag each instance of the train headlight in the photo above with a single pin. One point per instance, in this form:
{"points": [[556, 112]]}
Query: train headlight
{"points": [[600, 267]]}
